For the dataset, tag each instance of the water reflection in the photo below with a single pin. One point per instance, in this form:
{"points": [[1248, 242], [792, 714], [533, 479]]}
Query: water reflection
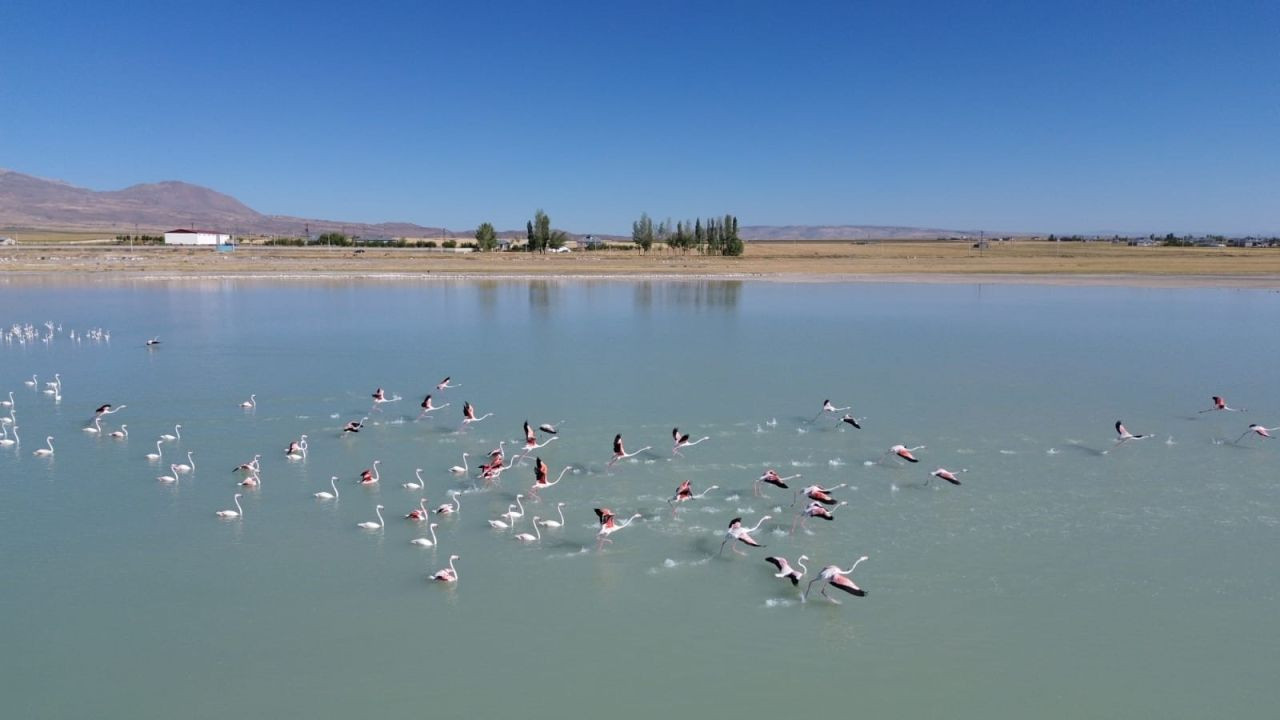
{"points": [[713, 294]]}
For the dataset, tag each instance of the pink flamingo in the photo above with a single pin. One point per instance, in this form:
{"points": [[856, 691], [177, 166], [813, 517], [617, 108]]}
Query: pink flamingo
{"points": [[837, 578], [741, 534], [683, 441], [620, 452]]}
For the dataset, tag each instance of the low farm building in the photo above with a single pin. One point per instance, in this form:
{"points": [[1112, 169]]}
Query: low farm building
{"points": [[196, 237]]}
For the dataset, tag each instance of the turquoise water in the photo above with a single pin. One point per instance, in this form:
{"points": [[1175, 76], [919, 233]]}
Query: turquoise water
{"points": [[1057, 581]]}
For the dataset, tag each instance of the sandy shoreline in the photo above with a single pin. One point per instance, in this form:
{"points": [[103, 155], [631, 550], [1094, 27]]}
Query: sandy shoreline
{"points": [[940, 263]]}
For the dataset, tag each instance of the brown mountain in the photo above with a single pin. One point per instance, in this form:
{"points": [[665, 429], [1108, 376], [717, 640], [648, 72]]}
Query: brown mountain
{"points": [[32, 202]]}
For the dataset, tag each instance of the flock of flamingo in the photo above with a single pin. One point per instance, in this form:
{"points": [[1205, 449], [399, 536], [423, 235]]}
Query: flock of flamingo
{"points": [[815, 501]]}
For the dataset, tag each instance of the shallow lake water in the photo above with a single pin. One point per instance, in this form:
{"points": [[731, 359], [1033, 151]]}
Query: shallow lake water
{"points": [[1058, 580]]}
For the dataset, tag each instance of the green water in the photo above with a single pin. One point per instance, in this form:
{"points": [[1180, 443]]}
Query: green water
{"points": [[1057, 581]]}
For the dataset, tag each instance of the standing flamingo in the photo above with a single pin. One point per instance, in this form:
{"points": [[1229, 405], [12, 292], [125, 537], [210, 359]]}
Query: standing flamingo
{"points": [[502, 524], [835, 577], [511, 516], [323, 495], [170, 478], [188, 466], [451, 508], [527, 538], [449, 574], [553, 524], [369, 524], [741, 534], [418, 485], [122, 433], [232, 514], [177, 429], [10, 441], [251, 403], [460, 469], [45, 452], [424, 542]]}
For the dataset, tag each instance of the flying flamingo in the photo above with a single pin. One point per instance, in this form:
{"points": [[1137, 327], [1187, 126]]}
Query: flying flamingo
{"points": [[428, 407], [815, 509], [251, 403], [424, 542], [1258, 430], [682, 441], [609, 525], [819, 494], [1124, 436], [444, 385], [837, 578], [449, 574], [531, 440], [354, 426], [550, 429], [232, 514], [324, 495], [460, 469], [188, 466], [852, 420], [469, 415], [741, 534], [685, 493], [771, 477], [904, 452], [553, 524], [527, 538], [540, 479], [620, 453], [947, 475], [380, 397], [369, 524], [108, 409], [1220, 403], [827, 407], [451, 508], [786, 571], [420, 512], [369, 477], [122, 433], [177, 432]]}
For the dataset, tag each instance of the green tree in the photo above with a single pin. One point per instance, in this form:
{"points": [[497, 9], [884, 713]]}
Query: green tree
{"points": [[541, 236], [486, 237], [642, 232]]}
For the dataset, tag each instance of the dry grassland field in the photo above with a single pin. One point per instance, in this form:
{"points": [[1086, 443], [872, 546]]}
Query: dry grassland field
{"points": [[1024, 261]]}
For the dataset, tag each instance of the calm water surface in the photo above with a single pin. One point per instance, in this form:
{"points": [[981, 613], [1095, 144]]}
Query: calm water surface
{"points": [[1058, 581]]}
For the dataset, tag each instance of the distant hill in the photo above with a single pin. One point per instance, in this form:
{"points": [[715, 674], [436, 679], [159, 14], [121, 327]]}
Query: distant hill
{"points": [[32, 202]]}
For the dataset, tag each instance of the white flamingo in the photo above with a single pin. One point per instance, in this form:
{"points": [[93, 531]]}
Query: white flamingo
{"points": [[553, 524], [527, 538], [252, 481], [177, 434], [122, 433], [369, 524], [95, 428], [461, 469], [45, 452], [7, 441], [424, 542], [251, 403], [323, 495], [415, 486], [188, 466], [450, 508], [449, 574], [511, 515], [158, 454], [9, 402], [170, 478], [232, 514], [741, 534], [34, 381], [501, 524]]}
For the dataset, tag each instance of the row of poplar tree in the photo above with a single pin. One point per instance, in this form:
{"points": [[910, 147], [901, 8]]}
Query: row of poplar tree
{"points": [[714, 236]]}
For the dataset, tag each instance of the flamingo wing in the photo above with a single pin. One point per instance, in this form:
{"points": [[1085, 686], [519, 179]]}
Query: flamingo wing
{"points": [[847, 585]]}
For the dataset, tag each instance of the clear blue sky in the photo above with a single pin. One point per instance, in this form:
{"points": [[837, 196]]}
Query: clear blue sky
{"points": [[1020, 115]]}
